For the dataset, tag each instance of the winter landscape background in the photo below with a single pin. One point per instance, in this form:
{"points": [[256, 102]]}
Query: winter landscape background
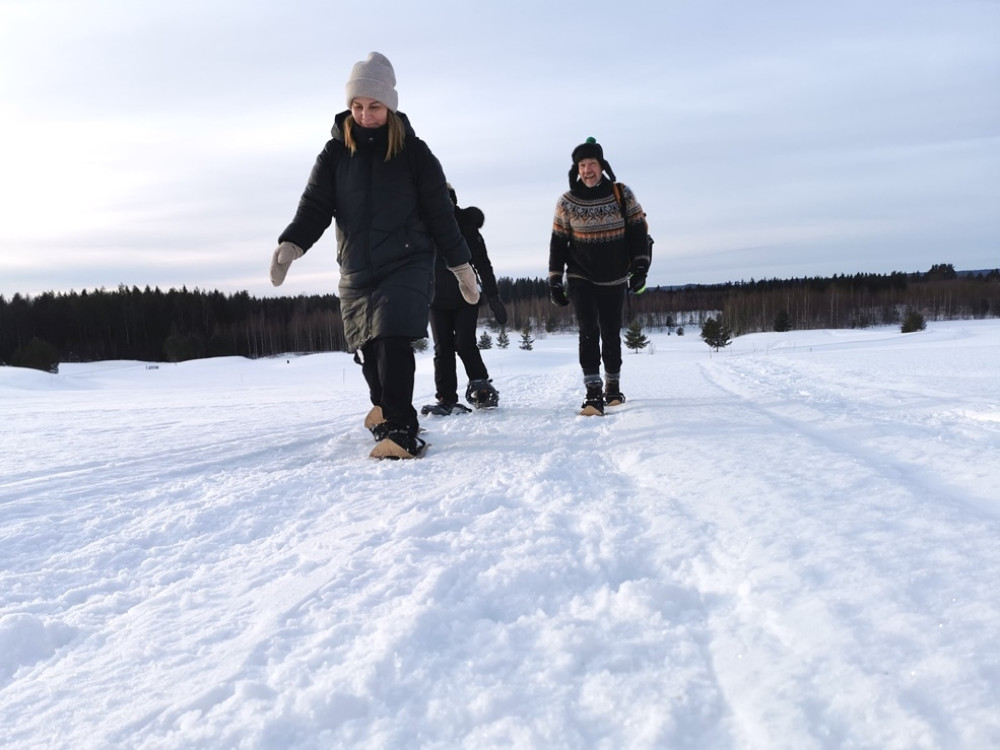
{"points": [[791, 543]]}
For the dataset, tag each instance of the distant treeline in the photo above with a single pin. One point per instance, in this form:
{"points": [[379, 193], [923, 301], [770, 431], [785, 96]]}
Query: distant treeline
{"points": [[153, 325], [858, 301]]}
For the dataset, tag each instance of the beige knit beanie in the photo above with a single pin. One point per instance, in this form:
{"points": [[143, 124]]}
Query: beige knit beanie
{"points": [[373, 78]]}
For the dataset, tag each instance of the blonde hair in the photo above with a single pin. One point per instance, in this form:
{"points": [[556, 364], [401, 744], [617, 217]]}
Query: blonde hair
{"points": [[397, 135]]}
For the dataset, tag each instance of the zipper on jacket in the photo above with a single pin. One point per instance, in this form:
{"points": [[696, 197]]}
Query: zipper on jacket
{"points": [[370, 155]]}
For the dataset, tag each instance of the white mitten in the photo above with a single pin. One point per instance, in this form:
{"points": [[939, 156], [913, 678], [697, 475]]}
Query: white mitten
{"points": [[282, 259], [467, 282]]}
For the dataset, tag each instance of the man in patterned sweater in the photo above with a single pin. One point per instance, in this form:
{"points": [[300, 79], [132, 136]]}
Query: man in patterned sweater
{"points": [[599, 241]]}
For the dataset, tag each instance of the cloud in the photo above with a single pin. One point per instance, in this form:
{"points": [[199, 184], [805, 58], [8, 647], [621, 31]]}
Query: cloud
{"points": [[139, 140]]}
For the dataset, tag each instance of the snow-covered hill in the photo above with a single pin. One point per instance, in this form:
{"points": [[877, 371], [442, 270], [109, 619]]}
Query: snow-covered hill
{"points": [[793, 543]]}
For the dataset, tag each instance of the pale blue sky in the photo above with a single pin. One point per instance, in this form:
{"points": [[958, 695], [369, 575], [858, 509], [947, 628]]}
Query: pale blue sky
{"points": [[166, 144]]}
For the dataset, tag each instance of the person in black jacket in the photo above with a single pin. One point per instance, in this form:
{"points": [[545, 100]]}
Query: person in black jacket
{"points": [[600, 242], [453, 322], [388, 195]]}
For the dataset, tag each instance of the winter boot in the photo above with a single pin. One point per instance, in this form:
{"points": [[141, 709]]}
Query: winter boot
{"points": [[396, 441], [594, 405], [613, 395], [482, 394], [444, 408]]}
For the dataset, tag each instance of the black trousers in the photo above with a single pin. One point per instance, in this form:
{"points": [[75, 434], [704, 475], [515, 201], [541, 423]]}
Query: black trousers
{"points": [[454, 332], [599, 315], [388, 365]]}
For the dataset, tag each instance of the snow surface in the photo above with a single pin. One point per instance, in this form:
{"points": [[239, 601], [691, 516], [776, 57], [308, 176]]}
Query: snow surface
{"points": [[792, 543]]}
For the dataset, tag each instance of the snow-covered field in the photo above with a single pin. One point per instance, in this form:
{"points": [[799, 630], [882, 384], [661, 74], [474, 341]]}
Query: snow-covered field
{"points": [[792, 543]]}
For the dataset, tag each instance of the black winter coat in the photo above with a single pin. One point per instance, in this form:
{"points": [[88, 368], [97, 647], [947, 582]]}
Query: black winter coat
{"points": [[446, 293], [390, 218]]}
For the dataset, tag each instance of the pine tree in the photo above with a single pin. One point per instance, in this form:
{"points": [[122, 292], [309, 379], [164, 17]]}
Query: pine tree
{"points": [[715, 334], [39, 355], [913, 322], [526, 339], [485, 341], [635, 339], [782, 321], [503, 340]]}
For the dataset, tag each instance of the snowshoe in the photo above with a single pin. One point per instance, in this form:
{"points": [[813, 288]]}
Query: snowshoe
{"points": [[395, 442], [593, 406], [482, 394], [443, 409]]}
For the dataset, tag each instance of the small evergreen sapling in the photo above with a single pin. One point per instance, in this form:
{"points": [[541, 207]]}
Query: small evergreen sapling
{"points": [[635, 339], [913, 321], [485, 341], [715, 334], [526, 339]]}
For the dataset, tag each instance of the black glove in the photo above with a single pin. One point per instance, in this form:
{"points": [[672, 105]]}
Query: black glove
{"points": [[557, 293], [637, 282], [499, 311]]}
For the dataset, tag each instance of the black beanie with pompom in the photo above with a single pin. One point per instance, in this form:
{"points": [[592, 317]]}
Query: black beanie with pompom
{"points": [[589, 149]]}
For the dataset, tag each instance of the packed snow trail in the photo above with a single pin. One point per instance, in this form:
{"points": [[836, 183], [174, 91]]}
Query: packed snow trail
{"points": [[788, 544]]}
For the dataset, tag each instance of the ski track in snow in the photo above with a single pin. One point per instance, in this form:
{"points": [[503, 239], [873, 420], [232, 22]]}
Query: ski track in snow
{"points": [[788, 544]]}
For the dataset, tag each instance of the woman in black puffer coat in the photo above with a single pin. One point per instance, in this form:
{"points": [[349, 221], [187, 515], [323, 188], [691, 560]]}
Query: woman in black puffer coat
{"points": [[388, 195]]}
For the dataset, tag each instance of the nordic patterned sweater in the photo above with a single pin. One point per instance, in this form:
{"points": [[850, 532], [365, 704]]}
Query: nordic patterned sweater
{"points": [[590, 239]]}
